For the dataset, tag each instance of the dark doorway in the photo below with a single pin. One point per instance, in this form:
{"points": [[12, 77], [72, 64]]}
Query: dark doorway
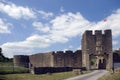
{"points": [[102, 64]]}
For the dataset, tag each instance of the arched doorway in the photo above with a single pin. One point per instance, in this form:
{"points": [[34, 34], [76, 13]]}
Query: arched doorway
{"points": [[102, 64]]}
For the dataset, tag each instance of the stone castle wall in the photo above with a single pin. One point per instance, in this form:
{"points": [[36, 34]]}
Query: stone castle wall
{"points": [[68, 59], [51, 59], [41, 60], [21, 60]]}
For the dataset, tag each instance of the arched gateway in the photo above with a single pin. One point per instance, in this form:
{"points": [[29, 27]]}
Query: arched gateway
{"points": [[98, 45]]}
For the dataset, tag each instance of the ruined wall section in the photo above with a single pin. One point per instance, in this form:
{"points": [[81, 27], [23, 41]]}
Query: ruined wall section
{"points": [[77, 60], [21, 60], [68, 59], [42, 59], [58, 59]]}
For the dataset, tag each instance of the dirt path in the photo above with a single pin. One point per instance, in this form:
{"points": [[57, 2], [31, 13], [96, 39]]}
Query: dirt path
{"points": [[90, 76]]}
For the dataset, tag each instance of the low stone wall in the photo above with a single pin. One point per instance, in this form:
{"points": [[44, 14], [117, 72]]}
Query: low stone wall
{"points": [[44, 70]]}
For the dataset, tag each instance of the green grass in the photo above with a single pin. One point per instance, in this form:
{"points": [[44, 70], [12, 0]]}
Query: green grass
{"points": [[53, 76], [8, 72], [115, 76], [7, 68], [4, 64]]}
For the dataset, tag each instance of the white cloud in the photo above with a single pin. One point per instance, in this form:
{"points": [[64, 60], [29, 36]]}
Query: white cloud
{"points": [[4, 27], [26, 46], [61, 29], [45, 15], [69, 25], [113, 22], [15, 11], [41, 27]]}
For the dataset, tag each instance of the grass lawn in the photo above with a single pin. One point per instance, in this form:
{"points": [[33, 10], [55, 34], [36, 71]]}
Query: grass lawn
{"points": [[7, 68], [115, 76], [8, 72], [27, 76]]}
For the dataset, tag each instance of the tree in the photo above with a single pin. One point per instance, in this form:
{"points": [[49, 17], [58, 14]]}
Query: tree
{"points": [[2, 57], [0, 51]]}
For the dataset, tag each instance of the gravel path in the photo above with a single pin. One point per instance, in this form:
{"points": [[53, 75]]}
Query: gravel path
{"points": [[90, 76]]}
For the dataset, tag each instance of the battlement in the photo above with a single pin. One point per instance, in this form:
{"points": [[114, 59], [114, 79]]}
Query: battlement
{"points": [[108, 33], [68, 52], [98, 32], [88, 32], [59, 52]]}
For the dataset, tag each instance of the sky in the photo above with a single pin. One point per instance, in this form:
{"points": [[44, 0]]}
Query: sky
{"points": [[35, 26]]}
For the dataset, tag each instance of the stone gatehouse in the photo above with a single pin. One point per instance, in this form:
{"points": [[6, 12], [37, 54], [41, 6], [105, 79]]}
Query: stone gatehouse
{"points": [[97, 45]]}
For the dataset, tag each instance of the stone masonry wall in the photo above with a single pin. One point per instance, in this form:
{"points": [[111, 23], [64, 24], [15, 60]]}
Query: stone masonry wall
{"points": [[68, 59], [88, 48], [77, 63], [21, 60], [41, 60], [58, 59], [108, 49]]}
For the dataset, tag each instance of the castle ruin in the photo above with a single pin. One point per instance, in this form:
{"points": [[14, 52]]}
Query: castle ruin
{"points": [[98, 46], [50, 61]]}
